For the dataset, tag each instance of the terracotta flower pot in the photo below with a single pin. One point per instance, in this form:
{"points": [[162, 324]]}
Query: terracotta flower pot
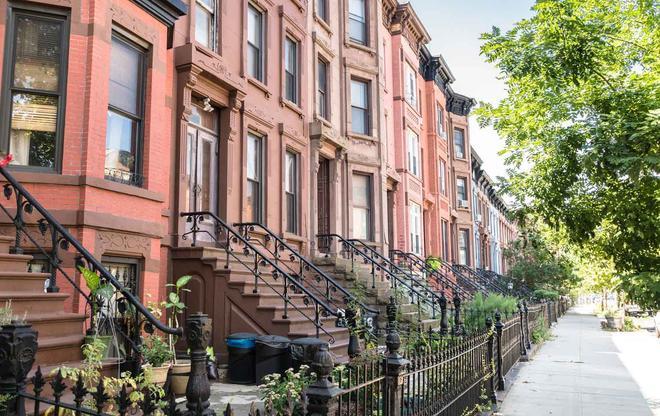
{"points": [[180, 375], [158, 374]]}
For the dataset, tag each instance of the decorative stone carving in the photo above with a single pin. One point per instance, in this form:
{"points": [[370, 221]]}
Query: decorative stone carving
{"points": [[127, 243], [134, 25]]}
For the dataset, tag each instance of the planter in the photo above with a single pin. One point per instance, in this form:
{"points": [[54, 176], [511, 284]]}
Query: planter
{"points": [[105, 339], [180, 375], [158, 374], [614, 322]]}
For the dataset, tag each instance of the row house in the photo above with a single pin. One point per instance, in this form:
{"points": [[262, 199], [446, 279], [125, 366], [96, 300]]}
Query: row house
{"points": [[302, 117]]}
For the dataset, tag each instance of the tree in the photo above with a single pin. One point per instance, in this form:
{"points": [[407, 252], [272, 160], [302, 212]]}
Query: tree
{"points": [[581, 123]]}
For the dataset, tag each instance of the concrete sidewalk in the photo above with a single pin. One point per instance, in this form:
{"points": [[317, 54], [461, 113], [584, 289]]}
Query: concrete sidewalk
{"points": [[586, 371]]}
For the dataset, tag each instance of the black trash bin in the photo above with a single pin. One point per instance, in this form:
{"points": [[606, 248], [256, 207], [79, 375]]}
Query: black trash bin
{"points": [[272, 355], [241, 347], [303, 351]]}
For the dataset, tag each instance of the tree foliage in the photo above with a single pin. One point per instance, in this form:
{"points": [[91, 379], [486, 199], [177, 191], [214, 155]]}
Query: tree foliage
{"points": [[581, 123]]}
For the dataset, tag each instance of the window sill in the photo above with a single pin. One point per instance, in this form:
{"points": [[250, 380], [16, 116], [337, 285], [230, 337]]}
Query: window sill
{"points": [[292, 106], [364, 137], [263, 87], [322, 23], [352, 44], [206, 50], [293, 237], [322, 120]]}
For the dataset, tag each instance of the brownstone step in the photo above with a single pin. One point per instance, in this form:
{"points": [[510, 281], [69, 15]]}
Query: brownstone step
{"points": [[14, 262], [33, 303], [57, 350], [57, 323], [24, 282], [5, 243]]}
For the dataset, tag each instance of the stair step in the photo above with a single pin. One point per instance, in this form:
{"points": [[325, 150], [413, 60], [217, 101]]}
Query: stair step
{"points": [[14, 262], [58, 324], [5, 243], [22, 281], [54, 350], [33, 303]]}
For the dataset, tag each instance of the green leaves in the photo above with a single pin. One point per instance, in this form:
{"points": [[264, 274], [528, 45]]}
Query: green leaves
{"points": [[581, 124]]}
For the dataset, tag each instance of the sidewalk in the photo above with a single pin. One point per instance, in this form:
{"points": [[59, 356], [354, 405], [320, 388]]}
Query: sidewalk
{"points": [[586, 371]]}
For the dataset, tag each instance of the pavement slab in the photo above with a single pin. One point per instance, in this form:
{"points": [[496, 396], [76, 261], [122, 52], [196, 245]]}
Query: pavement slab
{"points": [[585, 371]]}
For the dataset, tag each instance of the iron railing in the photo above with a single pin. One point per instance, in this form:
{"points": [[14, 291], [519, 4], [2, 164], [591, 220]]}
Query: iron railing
{"points": [[259, 264], [37, 227], [463, 281], [297, 265], [415, 263], [484, 285]]}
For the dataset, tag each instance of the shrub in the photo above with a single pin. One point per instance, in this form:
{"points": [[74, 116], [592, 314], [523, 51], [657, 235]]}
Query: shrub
{"points": [[476, 310], [541, 333], [282, 394], [545, 294], [156, 351], [629, 325]]}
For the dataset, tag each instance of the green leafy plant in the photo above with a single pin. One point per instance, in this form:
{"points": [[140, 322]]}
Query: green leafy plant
{"points": [[99, 291], [282, 394], [176, 307], [629, 325], [545, 294], [156, 351], [541, 333], [479, 308]]}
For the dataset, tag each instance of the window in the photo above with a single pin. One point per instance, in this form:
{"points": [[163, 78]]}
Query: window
{"points": [[291, 191], [357, 21], [127, 272], [205, 23], [322, 9], [415, 228], [443, 177], [256, 41], [291, 70], [361, 206], [445, 240], [461, 191], [254, 178], [322, 88], [360, 107], [459, 143], [36, 80], [411, 86], [464, 246], [123, 140], [440, 120], [413, 153]]}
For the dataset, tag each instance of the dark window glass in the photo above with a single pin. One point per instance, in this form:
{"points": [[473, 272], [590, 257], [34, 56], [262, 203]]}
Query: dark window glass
{"points": [[291, 191], [254, 178], [36, 88], [461, 189], [360, 107], [322, 88], [125, 112], [322, 9], [291, 70], [357, 21], [255, 39], [445, 241], [459, 143]]}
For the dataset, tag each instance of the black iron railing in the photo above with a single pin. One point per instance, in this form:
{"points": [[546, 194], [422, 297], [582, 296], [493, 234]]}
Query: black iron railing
{"points": [[259, 265], [418, 265], [463, 281], [38, 228], [482, 280], [474, 279], [308, 273], [507, 283], [382, 269]]}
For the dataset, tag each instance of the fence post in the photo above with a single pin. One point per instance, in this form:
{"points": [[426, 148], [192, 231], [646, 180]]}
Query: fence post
{"points": [[498, 332], [529, 336], [491, 360], [353, 340], [198, 390], [521, 333], [322, 394], [394, 364], [458, 320], [18, 347], [444, 322]]}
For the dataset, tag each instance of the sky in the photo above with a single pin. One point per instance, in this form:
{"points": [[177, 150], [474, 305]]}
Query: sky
{"points": [[455, 27]]}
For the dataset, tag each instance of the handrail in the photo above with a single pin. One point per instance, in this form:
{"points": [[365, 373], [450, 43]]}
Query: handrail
{"points": [[522, 290], [304, 261], [27, 203], [413, 259], [478, 278], [461, 278], [261, 259], [489, 277], [391, 276]]}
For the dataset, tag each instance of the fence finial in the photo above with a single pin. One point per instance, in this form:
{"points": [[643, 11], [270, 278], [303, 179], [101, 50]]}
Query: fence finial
{"points": [[198, 391], [321, 395], [444, 322], [499, 326], [17, 352]]}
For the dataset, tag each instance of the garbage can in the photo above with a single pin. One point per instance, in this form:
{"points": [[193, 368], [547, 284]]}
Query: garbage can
{"points": [[272, 355], [303, 351], [241, 357]]}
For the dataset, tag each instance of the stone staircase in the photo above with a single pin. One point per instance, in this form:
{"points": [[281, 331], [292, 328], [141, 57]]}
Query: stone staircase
{"points": [[61, 333]]}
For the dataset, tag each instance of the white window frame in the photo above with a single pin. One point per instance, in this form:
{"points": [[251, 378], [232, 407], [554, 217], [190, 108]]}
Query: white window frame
{"points": [[212, 24], [261, 75], [416, 226], [414, 154], [411, 85]]}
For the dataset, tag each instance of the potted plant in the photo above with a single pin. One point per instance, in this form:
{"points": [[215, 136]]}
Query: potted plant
{"points": [[180, 367], [99, 293], [156, 352], [614, 319]]}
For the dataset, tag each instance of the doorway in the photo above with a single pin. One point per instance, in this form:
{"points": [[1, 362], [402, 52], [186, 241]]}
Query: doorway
{"points": [[323, 201]]}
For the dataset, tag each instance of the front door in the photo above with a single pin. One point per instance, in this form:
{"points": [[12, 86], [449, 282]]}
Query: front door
{"points": [[323, 200], [202, 173]]}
